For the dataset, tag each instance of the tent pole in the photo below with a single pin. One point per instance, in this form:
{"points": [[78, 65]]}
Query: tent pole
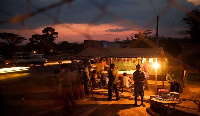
{"points": [[162, 73]]}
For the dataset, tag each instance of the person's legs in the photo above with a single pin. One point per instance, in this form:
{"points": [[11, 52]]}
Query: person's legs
{"points": [[68, 109], [86, 88], [116, 92], [109, 92], [135, 93], [141, 100], [82, 92], [146, 87], [122, 89], [135, 101], [172, 86], [71, 99]]}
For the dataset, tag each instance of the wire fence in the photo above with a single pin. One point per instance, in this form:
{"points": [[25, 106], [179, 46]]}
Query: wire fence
{"points": [[28, 4], [103, 8]]}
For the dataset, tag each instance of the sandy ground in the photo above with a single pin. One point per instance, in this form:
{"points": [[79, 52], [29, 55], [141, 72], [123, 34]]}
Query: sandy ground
{"points": [[35, 95]]}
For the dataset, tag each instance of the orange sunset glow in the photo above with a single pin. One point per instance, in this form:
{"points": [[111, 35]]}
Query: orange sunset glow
{"points": [[80, 32]]}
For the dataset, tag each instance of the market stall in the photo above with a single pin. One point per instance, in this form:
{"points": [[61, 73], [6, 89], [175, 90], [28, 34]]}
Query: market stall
{"points": [[126, 59]]}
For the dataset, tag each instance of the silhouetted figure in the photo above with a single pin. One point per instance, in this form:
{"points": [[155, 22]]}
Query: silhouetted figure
{"points": [[93, 79], [65, 78], [174, 85], [138, 77], [113, 82]]}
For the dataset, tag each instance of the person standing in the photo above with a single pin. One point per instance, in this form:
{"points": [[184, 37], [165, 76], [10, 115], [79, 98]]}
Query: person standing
{"points": [[86, 79], [65, 78], [138, 77], [93, 79], [113, 82], [79, 84], [100, 67]]}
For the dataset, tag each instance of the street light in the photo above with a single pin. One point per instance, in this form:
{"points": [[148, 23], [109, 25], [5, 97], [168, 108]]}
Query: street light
{"points": [[156, 66]]}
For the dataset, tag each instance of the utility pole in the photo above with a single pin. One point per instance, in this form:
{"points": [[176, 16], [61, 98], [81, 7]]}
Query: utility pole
{"points": [[157, 32]]}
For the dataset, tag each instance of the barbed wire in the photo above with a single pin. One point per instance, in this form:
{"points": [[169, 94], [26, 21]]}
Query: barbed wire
{"points": [[42, 12]]}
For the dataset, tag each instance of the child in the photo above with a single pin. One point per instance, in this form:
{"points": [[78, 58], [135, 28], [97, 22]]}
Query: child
{"points": [[126, 81]]}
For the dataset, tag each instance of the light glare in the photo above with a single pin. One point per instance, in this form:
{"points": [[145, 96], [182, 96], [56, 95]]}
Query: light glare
{"points": [[156, 65]]}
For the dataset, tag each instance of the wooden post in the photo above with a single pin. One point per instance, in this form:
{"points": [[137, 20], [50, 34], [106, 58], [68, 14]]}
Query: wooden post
{"points": [[157, 32], [156, 68]]}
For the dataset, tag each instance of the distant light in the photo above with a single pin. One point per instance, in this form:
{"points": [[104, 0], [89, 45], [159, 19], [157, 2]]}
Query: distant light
{"points": [[55, 63], [150, 60], [143, 60], [34, 52]]}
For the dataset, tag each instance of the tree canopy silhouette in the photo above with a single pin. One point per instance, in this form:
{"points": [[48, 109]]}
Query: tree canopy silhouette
{"points": [[11, 38], [192, 20], [45, 42]]}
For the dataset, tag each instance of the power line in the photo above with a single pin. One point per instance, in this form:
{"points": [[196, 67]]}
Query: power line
{"points": [[171, 23], [153, 7]]}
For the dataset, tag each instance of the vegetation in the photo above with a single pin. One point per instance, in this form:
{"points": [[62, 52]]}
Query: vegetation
{"points": [[44, 43], [192, 28], [40, 43], [10, 43]]}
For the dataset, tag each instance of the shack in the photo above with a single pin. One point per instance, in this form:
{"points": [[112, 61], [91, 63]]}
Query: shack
{"points": [[126, 59]]}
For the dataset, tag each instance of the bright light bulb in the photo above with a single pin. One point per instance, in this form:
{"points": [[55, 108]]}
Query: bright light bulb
{"points": [[156, 65]]}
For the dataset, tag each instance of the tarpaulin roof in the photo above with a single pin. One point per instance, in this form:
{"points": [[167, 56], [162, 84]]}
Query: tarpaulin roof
{"points": [[119, 52]]}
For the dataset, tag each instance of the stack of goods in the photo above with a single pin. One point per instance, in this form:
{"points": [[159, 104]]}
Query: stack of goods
{"points": [[163, 92]]}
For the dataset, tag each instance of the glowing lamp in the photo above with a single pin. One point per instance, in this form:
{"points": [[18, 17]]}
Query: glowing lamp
{"points": [[156, 65]]}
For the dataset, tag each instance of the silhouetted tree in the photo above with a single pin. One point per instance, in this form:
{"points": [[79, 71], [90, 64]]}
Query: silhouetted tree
{"points": [[49, 34], [10, 43], [45, 42], [11, 38], [116, 40], [192, 19], [171, 46]]}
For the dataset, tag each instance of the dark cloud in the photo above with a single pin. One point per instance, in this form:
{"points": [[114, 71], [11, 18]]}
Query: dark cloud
{"points": [[138, 12], [118, 30]]}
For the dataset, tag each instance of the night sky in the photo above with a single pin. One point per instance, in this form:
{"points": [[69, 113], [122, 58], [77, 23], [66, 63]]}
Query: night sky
{"points": [[79, 20]]}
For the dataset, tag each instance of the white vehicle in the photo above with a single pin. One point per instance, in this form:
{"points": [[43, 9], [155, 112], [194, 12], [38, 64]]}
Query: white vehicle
{"points": [[27, 59]]}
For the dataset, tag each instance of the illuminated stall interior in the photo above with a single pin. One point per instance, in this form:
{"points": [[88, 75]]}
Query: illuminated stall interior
{"points": [[126, 59]]}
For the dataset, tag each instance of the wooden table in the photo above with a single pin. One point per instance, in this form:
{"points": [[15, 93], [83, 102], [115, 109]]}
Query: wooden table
{"points": [[159, 105]]}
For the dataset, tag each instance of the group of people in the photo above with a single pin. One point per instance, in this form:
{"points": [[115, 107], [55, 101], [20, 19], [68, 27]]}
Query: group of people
{"points": [[138, 78], [71, 85], [74, 82]]}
